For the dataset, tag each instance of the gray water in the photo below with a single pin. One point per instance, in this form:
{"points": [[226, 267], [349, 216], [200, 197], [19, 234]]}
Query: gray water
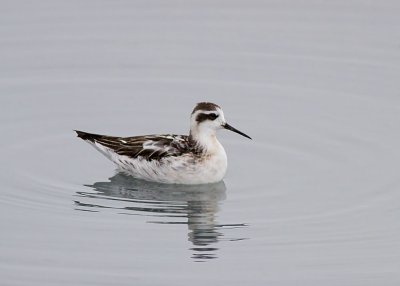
{"points": [[313, 199]]}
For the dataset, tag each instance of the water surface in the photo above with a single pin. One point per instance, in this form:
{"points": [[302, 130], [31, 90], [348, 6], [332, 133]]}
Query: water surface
{"points": [[313, 199]]}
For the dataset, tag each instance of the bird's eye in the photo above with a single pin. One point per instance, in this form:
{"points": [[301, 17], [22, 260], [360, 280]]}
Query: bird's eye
{"points": [[212, 116], [206, 116]]}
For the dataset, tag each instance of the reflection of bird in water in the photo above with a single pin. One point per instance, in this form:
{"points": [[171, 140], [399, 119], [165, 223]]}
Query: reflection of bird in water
{"points": [[197, 204]]}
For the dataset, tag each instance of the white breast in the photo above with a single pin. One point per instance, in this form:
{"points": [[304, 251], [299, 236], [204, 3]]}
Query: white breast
{"points": [[186, 169], [213, 167]]}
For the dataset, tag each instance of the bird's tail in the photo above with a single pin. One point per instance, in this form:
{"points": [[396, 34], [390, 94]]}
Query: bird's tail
{"points": [[87, 136]]}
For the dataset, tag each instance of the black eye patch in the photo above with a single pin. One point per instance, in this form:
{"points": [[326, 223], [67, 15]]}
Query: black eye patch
{"points": [[212, 116], [204, 116]]}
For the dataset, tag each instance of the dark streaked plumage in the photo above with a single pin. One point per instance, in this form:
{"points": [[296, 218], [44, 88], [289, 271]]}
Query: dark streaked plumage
{"points": [[148, 147]]}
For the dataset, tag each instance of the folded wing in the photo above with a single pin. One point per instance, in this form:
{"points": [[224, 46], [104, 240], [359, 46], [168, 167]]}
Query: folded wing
{"points": [[148, 147]]}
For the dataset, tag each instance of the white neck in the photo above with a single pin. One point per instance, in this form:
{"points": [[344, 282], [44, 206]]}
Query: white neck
{"points": [[205, 139]]}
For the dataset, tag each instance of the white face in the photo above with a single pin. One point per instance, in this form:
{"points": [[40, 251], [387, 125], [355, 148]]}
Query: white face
{"points": [[210, 120], [205, 123]]}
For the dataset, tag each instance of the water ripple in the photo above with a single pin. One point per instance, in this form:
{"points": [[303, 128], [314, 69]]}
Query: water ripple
{"points": [[193, 205]]}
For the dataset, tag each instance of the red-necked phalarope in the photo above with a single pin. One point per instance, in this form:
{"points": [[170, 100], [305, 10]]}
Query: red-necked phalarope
{"points": [[176, 159]]}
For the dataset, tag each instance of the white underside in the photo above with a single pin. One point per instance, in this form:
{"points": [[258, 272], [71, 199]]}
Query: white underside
{"points": [[185, 169]]}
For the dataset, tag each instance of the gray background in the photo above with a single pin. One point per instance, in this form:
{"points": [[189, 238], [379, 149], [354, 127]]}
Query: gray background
{"points": [[312, 200]]}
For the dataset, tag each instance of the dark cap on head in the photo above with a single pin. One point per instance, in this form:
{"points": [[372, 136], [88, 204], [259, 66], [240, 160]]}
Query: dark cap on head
{"points": [[206, 106]]}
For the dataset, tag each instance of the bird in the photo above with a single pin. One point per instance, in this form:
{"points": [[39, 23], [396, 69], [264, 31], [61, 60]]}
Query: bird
{"points": [[197, 158]]}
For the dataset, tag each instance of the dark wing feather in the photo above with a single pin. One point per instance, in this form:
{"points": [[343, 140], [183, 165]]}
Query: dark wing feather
{"points": [[149, 147]]}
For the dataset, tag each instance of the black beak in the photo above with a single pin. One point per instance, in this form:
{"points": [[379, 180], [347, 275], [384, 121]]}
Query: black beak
{"points": [[227, 126]]}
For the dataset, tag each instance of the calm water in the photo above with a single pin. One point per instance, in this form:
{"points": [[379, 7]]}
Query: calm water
{"points": [[313, 199]]}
